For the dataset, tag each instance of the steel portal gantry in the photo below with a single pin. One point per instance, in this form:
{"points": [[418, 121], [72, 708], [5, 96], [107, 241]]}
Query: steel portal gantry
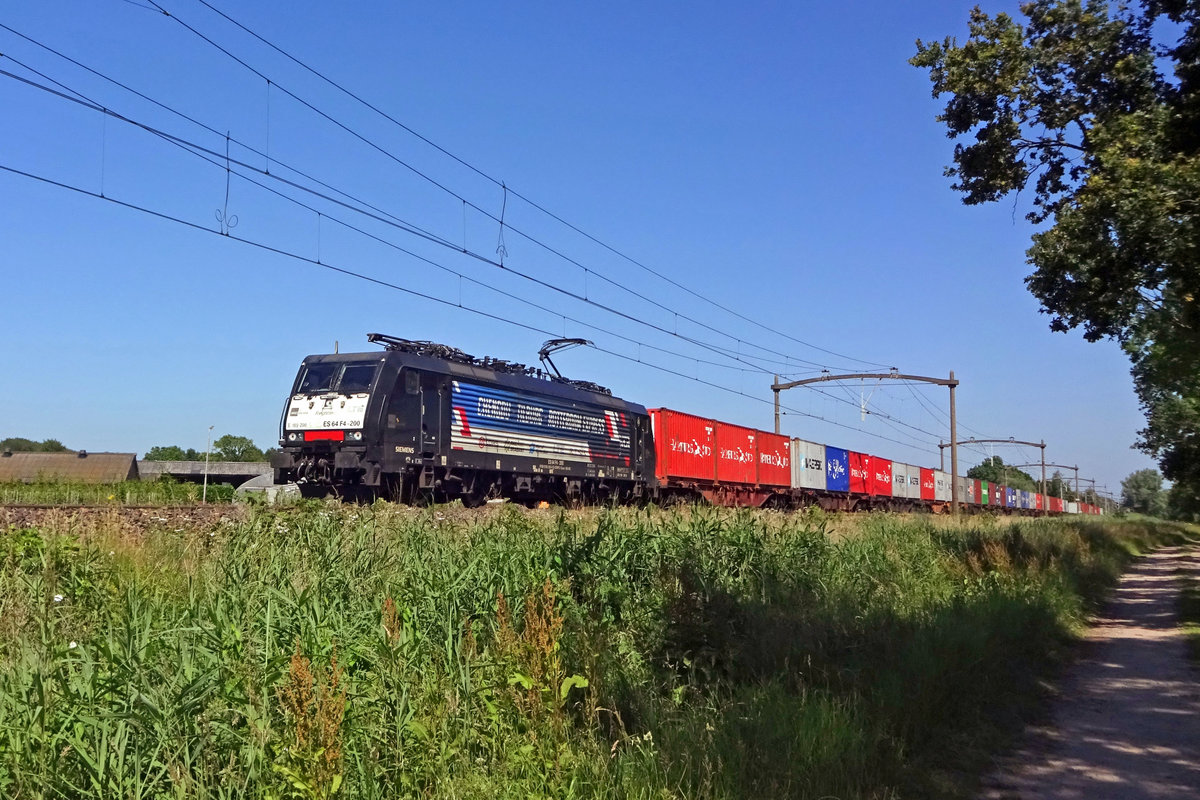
{"points": [[895, 375]]}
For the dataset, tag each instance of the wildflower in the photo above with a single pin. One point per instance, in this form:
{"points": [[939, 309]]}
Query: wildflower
{"points": [[58, 598], [112, 497], [72, 646], [110, 553]]}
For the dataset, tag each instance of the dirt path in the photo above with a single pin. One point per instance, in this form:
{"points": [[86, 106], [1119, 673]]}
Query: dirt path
{"points": [[1127, 722]]}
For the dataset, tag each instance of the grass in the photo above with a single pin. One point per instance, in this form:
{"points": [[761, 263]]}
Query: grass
{"points": [[322, 651], [159, 492]]}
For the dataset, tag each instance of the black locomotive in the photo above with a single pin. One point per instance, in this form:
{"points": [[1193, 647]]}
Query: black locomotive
{"points": [[426, 421]]}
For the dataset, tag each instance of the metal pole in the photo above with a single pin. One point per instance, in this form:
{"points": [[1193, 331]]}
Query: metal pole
{"points": [[953, 450], [1045, 500], [942, 456], [207, 450], [1077, 484], [776, 402]]}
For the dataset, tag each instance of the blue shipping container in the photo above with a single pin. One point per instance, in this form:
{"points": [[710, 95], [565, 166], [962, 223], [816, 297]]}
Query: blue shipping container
{"points": [[837, 469], [1011, 499]]}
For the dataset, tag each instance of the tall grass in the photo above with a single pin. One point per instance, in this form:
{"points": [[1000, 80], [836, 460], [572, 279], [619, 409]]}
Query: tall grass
{"points": [[158, 492], [321, 651]]}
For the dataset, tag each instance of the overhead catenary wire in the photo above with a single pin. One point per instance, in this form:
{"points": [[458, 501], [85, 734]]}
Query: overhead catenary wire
{"points": [[407, 290], [441, 186], [924, 404], [197, 148], [509, 190], [206, 154], [379, 214]]}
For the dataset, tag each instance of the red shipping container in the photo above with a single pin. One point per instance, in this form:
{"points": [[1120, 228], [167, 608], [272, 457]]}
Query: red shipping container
{"points": [[860, 473], [1056, 504], [927, 486], [737, 453], [881, 476], [999, 495], [685, 445], [978, 497], [774, 459]]}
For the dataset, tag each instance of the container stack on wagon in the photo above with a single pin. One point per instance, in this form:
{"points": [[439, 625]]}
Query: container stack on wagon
{"points": [[734, 465]]}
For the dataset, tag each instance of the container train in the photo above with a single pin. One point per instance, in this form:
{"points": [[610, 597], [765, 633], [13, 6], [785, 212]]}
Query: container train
{"points": [[419, 421]]}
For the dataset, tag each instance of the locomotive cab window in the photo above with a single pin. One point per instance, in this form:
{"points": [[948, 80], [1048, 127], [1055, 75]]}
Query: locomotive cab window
{"points": [[347, 378], [357, 378], [318, 378]]}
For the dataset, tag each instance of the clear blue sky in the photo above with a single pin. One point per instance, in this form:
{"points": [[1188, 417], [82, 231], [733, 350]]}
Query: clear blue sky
{"points": [[780, 159]]}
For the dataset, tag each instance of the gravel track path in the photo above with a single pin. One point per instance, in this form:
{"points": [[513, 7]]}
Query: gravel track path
{"points": [[1127, 720]]}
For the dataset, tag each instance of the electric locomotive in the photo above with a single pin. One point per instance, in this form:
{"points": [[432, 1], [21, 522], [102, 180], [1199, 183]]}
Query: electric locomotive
{"points": [[423, 421]]}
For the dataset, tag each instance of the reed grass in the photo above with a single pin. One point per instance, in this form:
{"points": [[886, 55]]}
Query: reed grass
{"points": [[379, 652]]}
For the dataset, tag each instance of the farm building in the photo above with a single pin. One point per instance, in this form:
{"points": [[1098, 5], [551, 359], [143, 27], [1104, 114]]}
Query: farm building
{"points": [[83, 466]]}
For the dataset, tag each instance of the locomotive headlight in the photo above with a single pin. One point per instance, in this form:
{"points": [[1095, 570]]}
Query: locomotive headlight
{"points": [[295, 436], [354, 436]]}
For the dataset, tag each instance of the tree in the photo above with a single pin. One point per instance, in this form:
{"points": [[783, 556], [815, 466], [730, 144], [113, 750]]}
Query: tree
{"points": [[1183, 503], [172, 453], [1142, 492], [993, 470], [1057, 486], [17, 444], [236, 448], [1100, 121]]}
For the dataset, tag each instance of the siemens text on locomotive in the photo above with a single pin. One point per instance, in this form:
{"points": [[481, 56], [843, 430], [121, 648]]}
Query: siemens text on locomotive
{"points": [[422, 421]]}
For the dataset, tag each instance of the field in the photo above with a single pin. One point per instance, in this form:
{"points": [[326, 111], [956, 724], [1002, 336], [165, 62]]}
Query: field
{"points": [[370, 652]]}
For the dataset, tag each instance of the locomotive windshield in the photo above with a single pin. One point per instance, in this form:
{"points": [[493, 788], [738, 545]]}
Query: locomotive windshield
{"points": [[346, 378]]}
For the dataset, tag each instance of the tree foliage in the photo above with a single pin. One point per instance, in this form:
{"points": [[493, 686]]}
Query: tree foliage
{"points": [[994, 470], [17, 444], [224, 448], [1060, 486], [237, 448], [1142, 492], [173, 453], [1094, 109]]}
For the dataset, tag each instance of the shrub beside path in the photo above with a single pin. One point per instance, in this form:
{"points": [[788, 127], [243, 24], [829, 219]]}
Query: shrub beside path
{"points": [[1127, 721]]}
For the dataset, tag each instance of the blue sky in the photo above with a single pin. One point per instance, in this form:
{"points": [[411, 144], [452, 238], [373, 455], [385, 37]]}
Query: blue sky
{"points": [[779, 159]]}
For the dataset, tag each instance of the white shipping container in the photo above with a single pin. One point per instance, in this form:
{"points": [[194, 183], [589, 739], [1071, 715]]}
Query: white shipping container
{"points": [[914, 482], [808, 465], [1072, 508], [961, 483], [941, 486], [899, 479]]}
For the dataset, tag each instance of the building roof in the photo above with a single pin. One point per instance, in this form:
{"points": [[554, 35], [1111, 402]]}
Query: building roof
{"points": [[82, 466]]}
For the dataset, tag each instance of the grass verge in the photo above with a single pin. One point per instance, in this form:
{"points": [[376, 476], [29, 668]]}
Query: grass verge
{"points": [[159, 492], [322, 651]]}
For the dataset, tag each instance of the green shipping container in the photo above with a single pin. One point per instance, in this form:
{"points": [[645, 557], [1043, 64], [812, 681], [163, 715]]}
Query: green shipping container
{"points": [[983, 490]]}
